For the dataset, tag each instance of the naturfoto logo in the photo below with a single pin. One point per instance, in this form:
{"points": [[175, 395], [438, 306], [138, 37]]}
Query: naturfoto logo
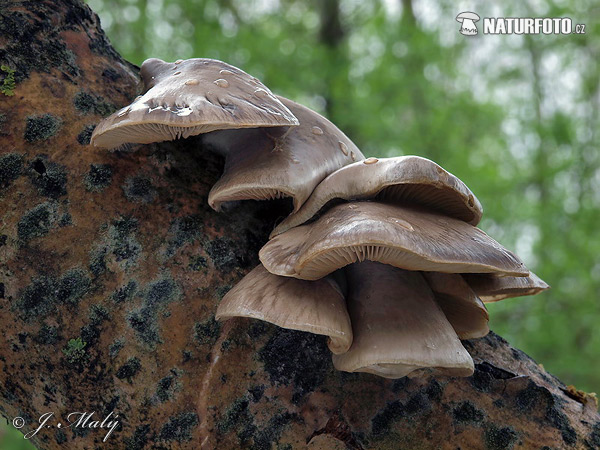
{"points": [[518, 25]]}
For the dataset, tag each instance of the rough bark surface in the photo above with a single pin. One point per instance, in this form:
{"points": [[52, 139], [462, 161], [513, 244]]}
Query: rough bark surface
{"points": [[120, 250]]}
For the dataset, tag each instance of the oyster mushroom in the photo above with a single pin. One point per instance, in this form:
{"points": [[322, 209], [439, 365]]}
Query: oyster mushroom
{"points": [[404, 179], [314, 306], [267, 163], [464, 310], [492, 288], [405, 237], [191, 97], [398, 326]]}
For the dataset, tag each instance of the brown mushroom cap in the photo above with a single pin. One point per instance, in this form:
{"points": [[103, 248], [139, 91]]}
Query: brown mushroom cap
{"points": [[405, 237], [466, 313], [314, 306], [398, 327], [191, 97], [492, 288], [404, 179], [266, 163]]}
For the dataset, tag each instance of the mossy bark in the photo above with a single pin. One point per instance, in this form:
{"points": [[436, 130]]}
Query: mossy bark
{"points": [[112, 265]]}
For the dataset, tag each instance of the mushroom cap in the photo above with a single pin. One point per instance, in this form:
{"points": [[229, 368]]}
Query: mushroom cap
{"points": [[466, 313], [492, 288], [404, 179], [191, 97], [314, 306], [405, 237], [398, 327], [265, 163], [467, 15]]}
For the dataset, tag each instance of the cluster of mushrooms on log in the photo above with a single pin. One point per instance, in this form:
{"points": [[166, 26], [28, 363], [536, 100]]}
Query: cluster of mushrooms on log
{"points": [[382, 255]]}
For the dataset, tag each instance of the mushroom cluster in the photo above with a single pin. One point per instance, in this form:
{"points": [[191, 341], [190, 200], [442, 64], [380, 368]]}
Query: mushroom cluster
{"points": [[383, 256]]}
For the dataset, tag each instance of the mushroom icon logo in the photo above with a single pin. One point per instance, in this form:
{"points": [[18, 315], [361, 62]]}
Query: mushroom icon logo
{"points": [[468, 20]]}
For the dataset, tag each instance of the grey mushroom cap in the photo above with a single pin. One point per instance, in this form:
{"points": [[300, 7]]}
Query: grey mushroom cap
{"points": [[191, 97], [404, 179], [398, 327], [467, 15], [493, 288], [270, 163], [405, 237], [464, 310], [314, 306]]}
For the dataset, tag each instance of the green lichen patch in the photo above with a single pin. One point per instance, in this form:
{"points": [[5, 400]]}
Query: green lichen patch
{"points": [[98, 178], [8, 84], [179, 428], [75, 351], [86, 103], [129, 370], [49, 178], [11, 165], [37, 222], [41, 127], [139, 189], [85, 135]]}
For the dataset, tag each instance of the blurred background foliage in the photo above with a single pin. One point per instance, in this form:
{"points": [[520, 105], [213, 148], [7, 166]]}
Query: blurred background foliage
{"points": [[516, 117]]}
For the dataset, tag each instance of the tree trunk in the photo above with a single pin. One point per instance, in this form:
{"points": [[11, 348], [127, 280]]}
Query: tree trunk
{"points": [[112, 265]]}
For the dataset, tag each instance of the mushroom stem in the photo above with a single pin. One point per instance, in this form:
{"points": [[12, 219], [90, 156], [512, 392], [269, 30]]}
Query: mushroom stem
{"points": [[397, 325]]}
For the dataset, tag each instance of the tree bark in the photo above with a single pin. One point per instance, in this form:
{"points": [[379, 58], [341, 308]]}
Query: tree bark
{"points": [[112, 265]]}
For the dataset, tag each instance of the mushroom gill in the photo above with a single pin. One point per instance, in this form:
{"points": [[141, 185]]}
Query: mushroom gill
{"points": [[267, 163], [405, 237]]}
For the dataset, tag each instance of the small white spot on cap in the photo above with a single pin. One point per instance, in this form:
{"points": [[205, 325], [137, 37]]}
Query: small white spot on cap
{"points": [[221, 83], [225, 72], [179, 61], [343, 148], [192, 82], [403, 223], [370, 160], [316, 130], [124, 111], [261, 93], [352, 156], [177, 73]]}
